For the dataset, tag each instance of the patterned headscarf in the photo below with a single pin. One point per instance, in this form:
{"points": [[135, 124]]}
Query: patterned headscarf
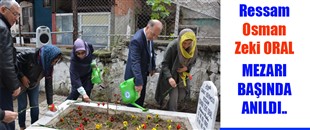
{"points": [[47, 54]]}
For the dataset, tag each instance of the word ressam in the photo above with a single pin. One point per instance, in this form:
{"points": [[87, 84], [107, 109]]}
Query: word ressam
{"points": [[259, 89]]}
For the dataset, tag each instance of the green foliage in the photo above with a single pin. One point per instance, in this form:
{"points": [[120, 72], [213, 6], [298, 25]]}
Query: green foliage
{"points": [[109, 124], [159, 10]]}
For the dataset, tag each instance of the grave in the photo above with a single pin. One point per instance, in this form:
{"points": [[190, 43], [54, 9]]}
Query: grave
{"points": [[207, 106], [203, 119], [50, 119]]}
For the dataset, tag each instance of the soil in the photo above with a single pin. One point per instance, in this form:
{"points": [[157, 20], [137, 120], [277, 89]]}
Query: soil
{"points": [[187, 106], [88, 118]]}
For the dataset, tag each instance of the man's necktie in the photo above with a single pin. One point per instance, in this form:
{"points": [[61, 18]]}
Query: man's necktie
{"points": [[149, 46]]}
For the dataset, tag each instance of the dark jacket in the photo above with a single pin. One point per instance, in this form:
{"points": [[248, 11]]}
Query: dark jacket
{"points": [[8, 77], [170, 64], [80, 69], [2, 114], [139, 58], [29, 65]]}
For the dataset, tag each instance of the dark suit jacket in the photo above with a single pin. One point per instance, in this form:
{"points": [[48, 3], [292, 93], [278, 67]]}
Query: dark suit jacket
{"points": [[139, 58]]}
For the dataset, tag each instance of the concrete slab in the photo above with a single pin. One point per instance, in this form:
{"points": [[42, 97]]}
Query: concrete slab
{"points": [[45, 117]]}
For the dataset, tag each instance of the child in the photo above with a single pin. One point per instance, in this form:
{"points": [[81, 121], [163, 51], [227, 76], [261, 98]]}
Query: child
{"points": [[80, 70]]}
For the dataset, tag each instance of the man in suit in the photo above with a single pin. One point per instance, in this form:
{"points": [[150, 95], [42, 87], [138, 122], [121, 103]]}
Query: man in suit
{"points": [[141, 57]]}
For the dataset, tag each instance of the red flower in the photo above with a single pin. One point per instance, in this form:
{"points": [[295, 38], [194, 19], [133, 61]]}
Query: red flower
{"points": [[79, 108], [52, 107], [111, 119], [98, 104], [85, 119], [77, 128], [144, 126], [102, 103], [178, 126], [190, 77], [61, 120], [81, 126], [80, 113]]}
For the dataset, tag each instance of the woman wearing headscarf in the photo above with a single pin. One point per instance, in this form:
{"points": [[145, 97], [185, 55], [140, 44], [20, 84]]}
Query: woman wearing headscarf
{"points": [[32, 67], [179, 57], [80, 70]]}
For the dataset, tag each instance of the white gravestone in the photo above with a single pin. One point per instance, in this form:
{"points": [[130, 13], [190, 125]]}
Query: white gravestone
{"points": [[207, 106]]}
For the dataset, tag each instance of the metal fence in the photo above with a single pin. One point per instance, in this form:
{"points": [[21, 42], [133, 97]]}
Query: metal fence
{"points": [[105, 23]]}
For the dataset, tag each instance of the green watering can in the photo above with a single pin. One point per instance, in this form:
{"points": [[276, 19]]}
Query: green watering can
{"points": [[95, 74], [129, 94]]}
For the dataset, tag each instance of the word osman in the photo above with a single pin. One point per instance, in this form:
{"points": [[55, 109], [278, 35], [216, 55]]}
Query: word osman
{"points": [[264, 70], [273, 47], [265, 11], [262, 107], [263, 30], [264, 89]]}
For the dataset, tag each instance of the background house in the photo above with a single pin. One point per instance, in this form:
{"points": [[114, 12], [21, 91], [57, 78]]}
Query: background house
{"points": [[106, 22]]}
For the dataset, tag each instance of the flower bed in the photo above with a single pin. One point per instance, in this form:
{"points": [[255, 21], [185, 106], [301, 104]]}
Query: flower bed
{"points": [[77, 117]]}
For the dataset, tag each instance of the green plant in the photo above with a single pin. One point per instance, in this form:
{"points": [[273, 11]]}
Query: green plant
{"points": [[159, 10], [108, 124], [134, 120], [156, 119]]}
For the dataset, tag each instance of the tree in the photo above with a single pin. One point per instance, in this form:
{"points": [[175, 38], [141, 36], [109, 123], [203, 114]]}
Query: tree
{"points": [[159, 10]]}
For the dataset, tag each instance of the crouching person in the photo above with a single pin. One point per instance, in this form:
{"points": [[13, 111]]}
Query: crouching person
{"points": [[32, 67], [80, 70]]}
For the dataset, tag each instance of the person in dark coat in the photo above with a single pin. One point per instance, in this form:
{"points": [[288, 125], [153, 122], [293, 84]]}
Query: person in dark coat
{"points": [[33, 66], [9, 84], [179, 57], [141, 57], [80, 70]]}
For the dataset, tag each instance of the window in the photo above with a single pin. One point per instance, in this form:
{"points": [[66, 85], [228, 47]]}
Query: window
{"points": [[64, 25], [26, 14], [95, 28]]}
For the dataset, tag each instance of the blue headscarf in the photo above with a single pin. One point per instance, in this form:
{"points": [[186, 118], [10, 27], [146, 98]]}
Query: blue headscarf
{"points": [[47, 54]]}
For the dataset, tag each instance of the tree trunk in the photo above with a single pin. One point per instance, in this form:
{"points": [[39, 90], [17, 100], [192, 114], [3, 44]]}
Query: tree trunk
{"points": [[75, 20]]}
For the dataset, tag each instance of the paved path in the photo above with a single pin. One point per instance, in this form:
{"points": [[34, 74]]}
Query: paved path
{"points": [[42, 107]]}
